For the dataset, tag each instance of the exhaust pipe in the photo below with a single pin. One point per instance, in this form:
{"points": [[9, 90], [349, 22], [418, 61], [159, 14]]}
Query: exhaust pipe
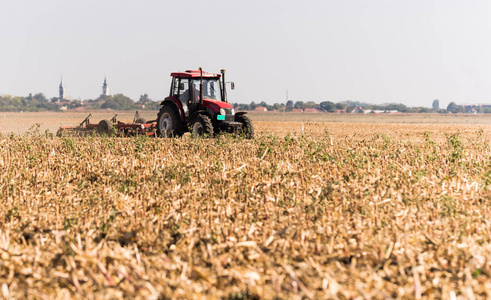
{"points": [[201, 87], [224, 91]]}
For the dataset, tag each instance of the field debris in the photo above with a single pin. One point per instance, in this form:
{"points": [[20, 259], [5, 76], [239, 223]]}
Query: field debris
{"points": [[310, 214]]}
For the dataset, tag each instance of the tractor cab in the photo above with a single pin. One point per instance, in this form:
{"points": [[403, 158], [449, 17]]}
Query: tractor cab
{"points": [[186, 87], [198, 101]]}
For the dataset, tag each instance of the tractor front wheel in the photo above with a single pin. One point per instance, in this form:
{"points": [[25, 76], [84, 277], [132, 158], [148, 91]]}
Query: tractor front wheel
{"points": [[247, 128], [201, 126], [168, 123], [104, 127]]}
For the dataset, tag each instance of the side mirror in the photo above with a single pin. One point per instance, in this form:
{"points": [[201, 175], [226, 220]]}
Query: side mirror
{"points": [[232, 85], [181, 86]]}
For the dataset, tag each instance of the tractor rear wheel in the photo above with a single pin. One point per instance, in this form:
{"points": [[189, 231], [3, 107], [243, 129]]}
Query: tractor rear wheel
{"points": [[247, 128], [104, 127], [201, 126], [168, 122]]}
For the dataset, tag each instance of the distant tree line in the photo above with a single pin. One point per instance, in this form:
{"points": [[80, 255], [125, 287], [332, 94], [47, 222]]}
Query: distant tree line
{"points": [[328, 106], [39, 102], [480, 109], [349, 106]]}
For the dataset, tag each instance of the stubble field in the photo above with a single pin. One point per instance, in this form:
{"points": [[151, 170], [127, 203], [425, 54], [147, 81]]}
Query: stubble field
{"points": [[315, 210]]}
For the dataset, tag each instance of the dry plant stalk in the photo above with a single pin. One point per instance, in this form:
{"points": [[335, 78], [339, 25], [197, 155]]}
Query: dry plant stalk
{"points": [[389, 212]]}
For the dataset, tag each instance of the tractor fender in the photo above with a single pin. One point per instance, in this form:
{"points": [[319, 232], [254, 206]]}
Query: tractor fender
{"points": [[171, 101], [240, 113], [202, 112]]}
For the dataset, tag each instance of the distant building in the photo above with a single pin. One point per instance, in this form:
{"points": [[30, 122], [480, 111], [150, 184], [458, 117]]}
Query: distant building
{"points": [[297, 110], [62, 91], [65, 102], [312, 110], [359, 110], [436, 104], [260, 108], [105, 88]]}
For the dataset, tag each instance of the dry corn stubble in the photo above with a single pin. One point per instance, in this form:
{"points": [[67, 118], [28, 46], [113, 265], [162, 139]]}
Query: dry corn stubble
{"points": [[327, 211]]}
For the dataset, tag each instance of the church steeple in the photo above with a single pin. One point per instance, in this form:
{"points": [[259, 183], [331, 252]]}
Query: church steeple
{"points": [[105, 89], [62, 91]]}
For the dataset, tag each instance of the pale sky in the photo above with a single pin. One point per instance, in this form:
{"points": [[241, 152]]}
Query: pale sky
{"points": [[376, 51]]}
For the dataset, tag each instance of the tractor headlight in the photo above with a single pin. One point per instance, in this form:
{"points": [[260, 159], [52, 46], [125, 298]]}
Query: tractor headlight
{"points": [[232, 111], [222, 111]]}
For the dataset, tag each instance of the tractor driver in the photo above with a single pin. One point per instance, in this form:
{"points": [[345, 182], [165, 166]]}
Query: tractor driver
{"points": [[187, 94]]}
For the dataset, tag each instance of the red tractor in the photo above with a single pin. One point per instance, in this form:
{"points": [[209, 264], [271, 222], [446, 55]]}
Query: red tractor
{"points": [[198, 103]]}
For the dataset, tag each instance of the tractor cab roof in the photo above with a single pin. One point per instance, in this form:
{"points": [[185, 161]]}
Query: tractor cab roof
{"points": [[194, 74]]}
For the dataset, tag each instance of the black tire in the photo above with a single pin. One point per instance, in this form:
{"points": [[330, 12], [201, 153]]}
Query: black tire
{"points": [[141, 121], [247, 128], [104, 127], [201, 126], [168, 122]]}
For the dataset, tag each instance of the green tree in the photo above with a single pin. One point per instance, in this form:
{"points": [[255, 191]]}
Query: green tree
{"points": [[310, 104], [118, 102], [328, 106], [149, 103], [454, 108], [299, 105], [144, 99], [340, 106]]}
